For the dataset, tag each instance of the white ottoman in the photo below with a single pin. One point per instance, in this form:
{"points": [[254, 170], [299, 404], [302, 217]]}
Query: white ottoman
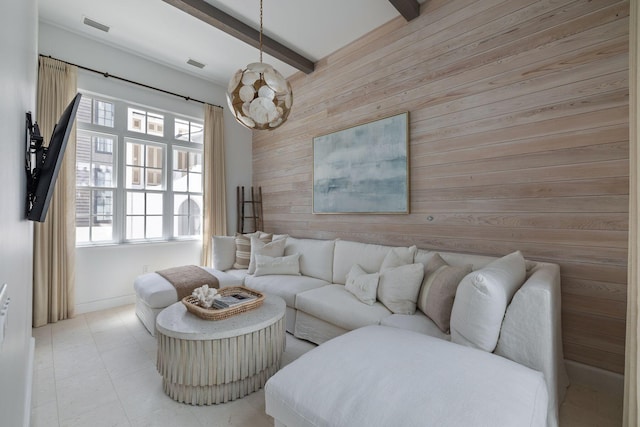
{"points": [[154, 293]]}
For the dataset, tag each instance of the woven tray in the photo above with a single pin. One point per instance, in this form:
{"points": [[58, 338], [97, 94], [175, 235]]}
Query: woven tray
{"points": [[192, 305]]}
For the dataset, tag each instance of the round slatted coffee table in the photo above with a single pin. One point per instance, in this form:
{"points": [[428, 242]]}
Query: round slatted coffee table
{"points": [[204, 362]]}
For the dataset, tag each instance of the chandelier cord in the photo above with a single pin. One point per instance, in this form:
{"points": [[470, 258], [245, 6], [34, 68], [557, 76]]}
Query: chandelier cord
{"points": [[260, 31]]}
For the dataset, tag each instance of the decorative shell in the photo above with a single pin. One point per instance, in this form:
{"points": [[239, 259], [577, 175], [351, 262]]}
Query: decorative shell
{"points": [[205, 295], [233, 83], [276, 81], [250, 77], [247, 93], [259, 67]]}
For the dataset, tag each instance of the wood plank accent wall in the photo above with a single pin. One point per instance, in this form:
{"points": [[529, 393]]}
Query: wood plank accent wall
{"points": [[519, 140]]}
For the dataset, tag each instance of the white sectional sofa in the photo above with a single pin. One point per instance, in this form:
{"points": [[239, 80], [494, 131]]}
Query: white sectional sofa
{"points": [[320, 307]]}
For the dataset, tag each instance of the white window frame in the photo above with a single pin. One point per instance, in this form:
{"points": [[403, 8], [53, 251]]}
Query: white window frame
{"points": [[122, 137]]}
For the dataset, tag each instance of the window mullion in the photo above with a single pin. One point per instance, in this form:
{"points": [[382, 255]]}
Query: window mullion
{"points": [[167, 216]]}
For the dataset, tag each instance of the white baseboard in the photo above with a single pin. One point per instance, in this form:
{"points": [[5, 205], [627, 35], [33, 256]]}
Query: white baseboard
{"points": [[104, 304], [596, 378], [29, 388]]}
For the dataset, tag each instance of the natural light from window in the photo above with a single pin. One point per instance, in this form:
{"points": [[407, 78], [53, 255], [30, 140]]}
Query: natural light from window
{"points": [[134, 181]]}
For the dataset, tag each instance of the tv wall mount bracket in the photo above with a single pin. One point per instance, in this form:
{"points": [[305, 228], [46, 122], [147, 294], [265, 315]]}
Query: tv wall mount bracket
{"points": [[35, 148]]}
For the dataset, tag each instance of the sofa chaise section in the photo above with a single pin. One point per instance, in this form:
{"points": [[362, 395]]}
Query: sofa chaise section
{"points": [[354, 381]]}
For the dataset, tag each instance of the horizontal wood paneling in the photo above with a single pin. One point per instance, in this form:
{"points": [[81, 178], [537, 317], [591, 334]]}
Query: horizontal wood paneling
{"points": [[519, 136]]}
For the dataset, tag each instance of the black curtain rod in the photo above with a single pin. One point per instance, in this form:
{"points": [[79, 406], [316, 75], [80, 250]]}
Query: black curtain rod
{"points": [[105, 74]]}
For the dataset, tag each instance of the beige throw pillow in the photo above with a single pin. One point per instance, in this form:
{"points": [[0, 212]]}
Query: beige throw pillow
{"points": [[259, 247], [362, 284], [288, 265], [243, 248], [399, 287], [439, 290]]}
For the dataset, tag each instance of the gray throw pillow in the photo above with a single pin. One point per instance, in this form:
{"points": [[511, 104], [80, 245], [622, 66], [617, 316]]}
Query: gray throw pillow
{"points": [[438, 290]]}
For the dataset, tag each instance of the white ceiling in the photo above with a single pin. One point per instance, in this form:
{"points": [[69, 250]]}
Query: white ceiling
{"points": [[156, 30]]}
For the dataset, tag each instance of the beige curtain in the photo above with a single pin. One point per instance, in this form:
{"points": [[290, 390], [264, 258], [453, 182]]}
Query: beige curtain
{"points": [[631, 379], [54, 240], [215, 193]]}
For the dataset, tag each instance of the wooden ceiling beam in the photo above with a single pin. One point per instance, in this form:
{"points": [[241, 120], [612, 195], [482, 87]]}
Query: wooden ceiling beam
{"points": [[409, 9], [223, 21]]}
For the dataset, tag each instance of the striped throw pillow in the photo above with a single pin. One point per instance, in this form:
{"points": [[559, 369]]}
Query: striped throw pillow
{"points": [[243, 248]]}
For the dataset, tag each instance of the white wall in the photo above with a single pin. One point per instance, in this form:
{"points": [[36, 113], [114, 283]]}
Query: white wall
{"points": [[104, 275], [18, 68]]}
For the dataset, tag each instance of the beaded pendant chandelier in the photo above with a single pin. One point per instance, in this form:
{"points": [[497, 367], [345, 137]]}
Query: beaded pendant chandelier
{"points": [[259, 96]]}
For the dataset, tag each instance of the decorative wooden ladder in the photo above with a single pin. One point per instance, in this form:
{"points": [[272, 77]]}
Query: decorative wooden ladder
{"points": [[254, 213]]}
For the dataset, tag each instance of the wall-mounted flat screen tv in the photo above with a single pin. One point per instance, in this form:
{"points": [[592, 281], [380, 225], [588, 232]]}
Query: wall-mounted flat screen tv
{"points": [[42, 179]]}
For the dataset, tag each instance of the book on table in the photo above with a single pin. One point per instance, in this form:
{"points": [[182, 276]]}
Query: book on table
{"points": [[233, 300]]}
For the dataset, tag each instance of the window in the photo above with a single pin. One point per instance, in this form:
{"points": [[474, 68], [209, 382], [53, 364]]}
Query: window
{"points": [[104, 145], [144, 165], [187, 188], [146, 122], [144, 171], [103, 113], [95, 182], [132, 182], [189, 131], [95, 111]]}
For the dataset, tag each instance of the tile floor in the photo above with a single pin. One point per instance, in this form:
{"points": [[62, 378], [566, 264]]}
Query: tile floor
{"points": [[98, 369]]}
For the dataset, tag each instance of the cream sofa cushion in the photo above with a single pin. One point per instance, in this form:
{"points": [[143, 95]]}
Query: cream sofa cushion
{"points": [[418, 322], [481, 301], [224, 252], [455, 258], [399, 256], [366, 255], [399, 287], [316, 256], [286, 287], [335, 305], [381, 376]]}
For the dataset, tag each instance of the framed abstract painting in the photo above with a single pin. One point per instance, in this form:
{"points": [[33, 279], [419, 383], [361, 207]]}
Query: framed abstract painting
{"points": [[363, 169]]}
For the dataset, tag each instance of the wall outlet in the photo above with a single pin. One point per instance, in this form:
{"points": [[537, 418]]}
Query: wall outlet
{"points": [[145, 268], [4, 312]]}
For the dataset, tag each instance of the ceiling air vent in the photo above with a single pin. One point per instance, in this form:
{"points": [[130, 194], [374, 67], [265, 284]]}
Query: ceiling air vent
{"points": [[195, 63], [95, 24]]}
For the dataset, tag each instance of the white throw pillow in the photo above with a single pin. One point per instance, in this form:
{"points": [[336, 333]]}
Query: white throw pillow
{"points": [[399, 256], [258, 247], [224, 252], [362, 284], [399, 287], [481, 301], [266, 265]]}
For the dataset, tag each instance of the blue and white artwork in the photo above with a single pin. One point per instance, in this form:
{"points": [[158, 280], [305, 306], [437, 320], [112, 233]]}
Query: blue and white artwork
{"points": [[363, 169]]}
